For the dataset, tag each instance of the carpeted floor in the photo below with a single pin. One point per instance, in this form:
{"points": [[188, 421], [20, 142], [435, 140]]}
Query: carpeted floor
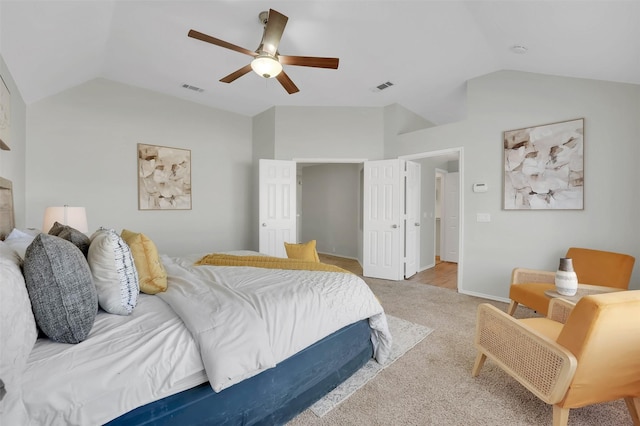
{"points": [[432, 384]]}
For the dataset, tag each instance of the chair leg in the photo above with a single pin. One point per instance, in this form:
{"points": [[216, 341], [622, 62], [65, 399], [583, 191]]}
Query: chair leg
{"points": [[633, 404], [560, 416], [477, 366], [512, 308]]}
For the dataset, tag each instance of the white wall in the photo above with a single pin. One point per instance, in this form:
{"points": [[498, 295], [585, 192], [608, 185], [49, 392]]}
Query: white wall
{"points": [[330, 208], [82, 150], [12, 162], [509, 100]]}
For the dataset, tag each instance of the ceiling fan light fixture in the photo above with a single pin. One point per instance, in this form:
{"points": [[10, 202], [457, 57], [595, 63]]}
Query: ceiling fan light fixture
{"points": [[266, 66]]}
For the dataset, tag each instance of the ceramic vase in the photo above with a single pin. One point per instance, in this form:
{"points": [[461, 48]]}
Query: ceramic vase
{"points": [[566, 278]]}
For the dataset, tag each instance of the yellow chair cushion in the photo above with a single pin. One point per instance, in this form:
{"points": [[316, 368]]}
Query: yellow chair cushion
{"points": [[532, 295], [151, 273], [304, 251]]}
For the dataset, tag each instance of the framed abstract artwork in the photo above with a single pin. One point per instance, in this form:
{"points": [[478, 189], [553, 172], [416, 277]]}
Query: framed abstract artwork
{"points": [[544, 167], [164, 178], [5, 115]]}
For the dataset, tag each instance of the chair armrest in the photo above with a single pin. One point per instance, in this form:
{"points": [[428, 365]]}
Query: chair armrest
{"points": [[537, 362], [559, 309], [522, 275]]}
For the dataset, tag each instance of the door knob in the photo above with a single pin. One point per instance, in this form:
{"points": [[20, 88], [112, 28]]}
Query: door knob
{"points": [[394, 226], [264, 224], [417, 223]]}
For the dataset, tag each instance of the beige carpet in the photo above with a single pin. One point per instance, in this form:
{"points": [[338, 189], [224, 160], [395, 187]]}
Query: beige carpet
{"points": [[432, 384]]}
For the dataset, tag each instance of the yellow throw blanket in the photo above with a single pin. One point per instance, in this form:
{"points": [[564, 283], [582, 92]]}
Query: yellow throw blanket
{"points": [[219, 259]]}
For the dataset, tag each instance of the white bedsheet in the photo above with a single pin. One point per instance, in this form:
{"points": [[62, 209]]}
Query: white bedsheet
{"points": [[126, 361], [246, 319]]}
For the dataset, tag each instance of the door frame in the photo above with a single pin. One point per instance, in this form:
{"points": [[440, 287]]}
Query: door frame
{"points": [[438, 153]]}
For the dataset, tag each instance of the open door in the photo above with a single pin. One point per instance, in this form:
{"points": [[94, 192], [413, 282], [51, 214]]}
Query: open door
{"points": [[451, 217], [277, 206], [383, 237], [412, 219]]}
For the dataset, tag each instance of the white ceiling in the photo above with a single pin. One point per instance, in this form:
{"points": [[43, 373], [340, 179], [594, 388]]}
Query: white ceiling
{"points": [[428, 49]]}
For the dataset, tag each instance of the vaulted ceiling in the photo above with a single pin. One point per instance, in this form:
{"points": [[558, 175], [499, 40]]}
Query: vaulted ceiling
{"points": [[427, 49]]}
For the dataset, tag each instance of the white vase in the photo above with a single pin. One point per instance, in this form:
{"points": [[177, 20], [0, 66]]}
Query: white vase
{"points": [[566, 278]]}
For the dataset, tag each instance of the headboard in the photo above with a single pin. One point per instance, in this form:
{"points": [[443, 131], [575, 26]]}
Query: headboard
{"points": [[6, 208]]}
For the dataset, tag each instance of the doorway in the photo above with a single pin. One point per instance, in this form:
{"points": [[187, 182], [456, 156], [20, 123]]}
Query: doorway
{"points": [[434, 232]]}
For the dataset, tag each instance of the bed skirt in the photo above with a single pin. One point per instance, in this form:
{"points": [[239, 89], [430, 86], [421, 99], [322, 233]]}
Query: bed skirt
{"points": [[274, 396]]}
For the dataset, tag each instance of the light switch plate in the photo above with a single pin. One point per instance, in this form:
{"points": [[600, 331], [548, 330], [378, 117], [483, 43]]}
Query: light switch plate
{"points": [[483, 217]]}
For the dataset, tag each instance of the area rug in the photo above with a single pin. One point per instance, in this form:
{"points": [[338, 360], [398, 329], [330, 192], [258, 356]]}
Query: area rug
{"points": [[405, 336]]}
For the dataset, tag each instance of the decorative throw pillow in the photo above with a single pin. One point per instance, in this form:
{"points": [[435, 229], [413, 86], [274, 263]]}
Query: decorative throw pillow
{"points": [[18, 332], [76, 237], [304, 251], [114, 272], [151, 273], [61, 289], [19, 240]]}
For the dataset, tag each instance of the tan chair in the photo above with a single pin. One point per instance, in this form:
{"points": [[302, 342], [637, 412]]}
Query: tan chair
{"points": [[594, 267], [593, 358]]}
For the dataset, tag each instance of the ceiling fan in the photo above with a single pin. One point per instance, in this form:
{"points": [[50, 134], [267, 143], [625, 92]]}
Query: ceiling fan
{"points": [[267, 61]]}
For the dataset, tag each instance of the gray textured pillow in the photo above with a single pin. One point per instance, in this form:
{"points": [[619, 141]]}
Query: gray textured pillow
{"points": [[61, 289], [76, 237]]}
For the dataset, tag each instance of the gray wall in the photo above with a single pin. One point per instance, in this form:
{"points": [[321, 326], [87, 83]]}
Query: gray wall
{"points": [[510, 100], [82, 150], [81, 143], [325, 132], [330, 208]]}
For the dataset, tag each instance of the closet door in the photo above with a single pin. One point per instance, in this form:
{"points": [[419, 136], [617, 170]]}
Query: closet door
{"points": [[277, 206], [383, 240]]}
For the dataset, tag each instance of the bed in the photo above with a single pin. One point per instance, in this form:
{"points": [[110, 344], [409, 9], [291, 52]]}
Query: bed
{"points": [[222, 345]]}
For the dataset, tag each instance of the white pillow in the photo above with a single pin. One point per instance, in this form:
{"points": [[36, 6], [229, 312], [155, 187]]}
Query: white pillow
{"points": [[18, 332], [19, 240], [114, 272]]}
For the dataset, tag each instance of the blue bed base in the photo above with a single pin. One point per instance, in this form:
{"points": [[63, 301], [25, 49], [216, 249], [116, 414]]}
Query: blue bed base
{"points": [[274, 396]]}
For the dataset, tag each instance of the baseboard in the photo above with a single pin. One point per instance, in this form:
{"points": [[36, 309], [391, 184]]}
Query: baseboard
{"points": [[340, 255], [484, 296], [424, 268]]}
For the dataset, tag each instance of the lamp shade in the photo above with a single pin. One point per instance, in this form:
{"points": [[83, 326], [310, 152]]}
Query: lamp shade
{"points": [[266, 66], [75, 217]]}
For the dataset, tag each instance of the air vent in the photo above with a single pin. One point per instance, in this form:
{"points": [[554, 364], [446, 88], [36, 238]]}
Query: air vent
{"points": [[194, 88], [382, 86]]}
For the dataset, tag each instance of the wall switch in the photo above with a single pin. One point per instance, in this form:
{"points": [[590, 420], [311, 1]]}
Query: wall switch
{"points": [[483, 217]]}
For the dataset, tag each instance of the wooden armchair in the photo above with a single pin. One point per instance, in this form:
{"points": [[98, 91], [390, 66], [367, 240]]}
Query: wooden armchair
{"points": [[593, 267], [594, 357]]}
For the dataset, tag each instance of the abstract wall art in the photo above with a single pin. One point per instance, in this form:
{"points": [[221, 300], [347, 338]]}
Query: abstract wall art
{"points": [[164, 178], [544, 167]]}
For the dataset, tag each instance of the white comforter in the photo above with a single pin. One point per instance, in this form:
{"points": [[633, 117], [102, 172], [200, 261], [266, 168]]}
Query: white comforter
{"points": [[246, 320]]}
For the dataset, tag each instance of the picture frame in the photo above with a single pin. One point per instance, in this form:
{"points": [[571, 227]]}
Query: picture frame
{"points": [[544, 167], [5, 115], [164, 178]]}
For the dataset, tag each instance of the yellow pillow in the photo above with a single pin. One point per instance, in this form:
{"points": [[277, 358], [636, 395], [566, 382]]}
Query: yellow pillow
{"points": [[151, 273], [305, 251]]}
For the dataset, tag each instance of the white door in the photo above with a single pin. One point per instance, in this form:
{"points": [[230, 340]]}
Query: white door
{"points": [[382, 225], [412, 219], [451, 217], [277, 207]]}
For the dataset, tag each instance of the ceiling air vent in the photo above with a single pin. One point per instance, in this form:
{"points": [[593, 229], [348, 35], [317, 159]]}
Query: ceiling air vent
{"points": [[194, 88], [382, 86]]}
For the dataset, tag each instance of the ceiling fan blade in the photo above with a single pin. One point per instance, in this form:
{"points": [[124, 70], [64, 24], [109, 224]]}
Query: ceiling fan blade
{"points": [[273, 32], [207, 38], [309, 61], [236, 74], [286, 82]]}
